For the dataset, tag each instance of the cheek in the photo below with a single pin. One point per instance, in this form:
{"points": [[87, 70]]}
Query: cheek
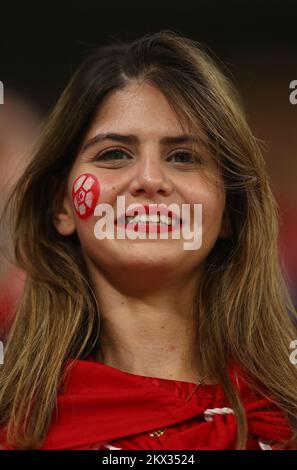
{"points": [[212, 210], [212, 199], [85, 194]]}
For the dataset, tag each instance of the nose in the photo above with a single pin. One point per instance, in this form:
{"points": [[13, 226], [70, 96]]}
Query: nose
{"points": [[150, 179]]}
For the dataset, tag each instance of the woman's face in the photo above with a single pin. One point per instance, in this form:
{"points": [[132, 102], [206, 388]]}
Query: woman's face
{"points": [[146, 170]]}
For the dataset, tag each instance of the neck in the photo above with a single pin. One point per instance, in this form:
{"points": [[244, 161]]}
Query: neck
{"points": [[152, 333]]}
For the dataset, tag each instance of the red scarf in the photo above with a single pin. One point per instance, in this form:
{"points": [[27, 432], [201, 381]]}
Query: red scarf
{"points": [[104, 407]]}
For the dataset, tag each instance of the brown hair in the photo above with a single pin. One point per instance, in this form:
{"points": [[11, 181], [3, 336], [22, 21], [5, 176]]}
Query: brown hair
{"points": [[242, 303]]}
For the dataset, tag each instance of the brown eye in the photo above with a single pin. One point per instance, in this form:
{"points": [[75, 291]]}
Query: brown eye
{"points": [[185, 157], [112, 154]]}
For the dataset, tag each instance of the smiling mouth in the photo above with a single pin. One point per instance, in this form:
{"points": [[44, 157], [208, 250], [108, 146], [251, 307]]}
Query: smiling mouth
{"points": [[149, 217], [157, 219], [144, 222], [152, 219]]}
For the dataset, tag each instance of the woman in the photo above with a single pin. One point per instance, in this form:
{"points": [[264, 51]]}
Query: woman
{"points": [[141, 343]]}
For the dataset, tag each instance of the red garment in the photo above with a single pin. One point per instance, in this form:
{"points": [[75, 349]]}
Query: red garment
{"points": [[102, 407]]}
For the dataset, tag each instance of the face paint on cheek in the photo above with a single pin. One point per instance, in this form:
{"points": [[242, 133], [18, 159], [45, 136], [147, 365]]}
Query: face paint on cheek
{"points": [[85, 194]]}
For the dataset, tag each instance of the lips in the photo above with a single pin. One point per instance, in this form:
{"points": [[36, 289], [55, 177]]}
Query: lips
{"points": [[151, 210]]}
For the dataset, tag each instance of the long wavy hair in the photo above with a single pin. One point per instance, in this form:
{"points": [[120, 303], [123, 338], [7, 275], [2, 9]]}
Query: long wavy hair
{"points": [[244, 312]]}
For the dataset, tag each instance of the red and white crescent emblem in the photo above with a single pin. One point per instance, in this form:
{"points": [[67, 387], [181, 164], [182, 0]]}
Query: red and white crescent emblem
{"points": [[85, 194]]}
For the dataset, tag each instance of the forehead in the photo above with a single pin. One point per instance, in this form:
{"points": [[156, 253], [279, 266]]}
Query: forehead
{"points": [[139, 107]]}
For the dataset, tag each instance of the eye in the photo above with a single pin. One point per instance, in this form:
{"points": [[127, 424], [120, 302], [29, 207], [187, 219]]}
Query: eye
{"points": [[185, 156], [112, 154]]}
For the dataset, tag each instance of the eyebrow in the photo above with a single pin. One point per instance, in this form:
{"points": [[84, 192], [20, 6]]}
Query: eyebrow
{"points": [[133, 139]]}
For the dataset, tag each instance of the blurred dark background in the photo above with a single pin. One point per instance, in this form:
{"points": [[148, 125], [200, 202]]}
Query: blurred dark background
{"points": [[41, 44]]}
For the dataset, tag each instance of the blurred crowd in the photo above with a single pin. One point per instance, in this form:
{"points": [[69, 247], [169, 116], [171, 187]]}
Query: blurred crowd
{"points": [[19, 128]]}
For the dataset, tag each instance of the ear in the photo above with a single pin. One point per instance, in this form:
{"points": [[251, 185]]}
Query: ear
{"points": [[63, 217], [225, 231]]}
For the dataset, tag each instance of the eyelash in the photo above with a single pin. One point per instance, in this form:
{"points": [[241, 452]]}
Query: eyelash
{"points": [[99, 157]]}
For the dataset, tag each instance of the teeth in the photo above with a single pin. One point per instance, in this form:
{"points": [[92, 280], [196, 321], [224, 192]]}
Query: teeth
{"points": [[165, 219], [149, 218], [144, 218]]}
